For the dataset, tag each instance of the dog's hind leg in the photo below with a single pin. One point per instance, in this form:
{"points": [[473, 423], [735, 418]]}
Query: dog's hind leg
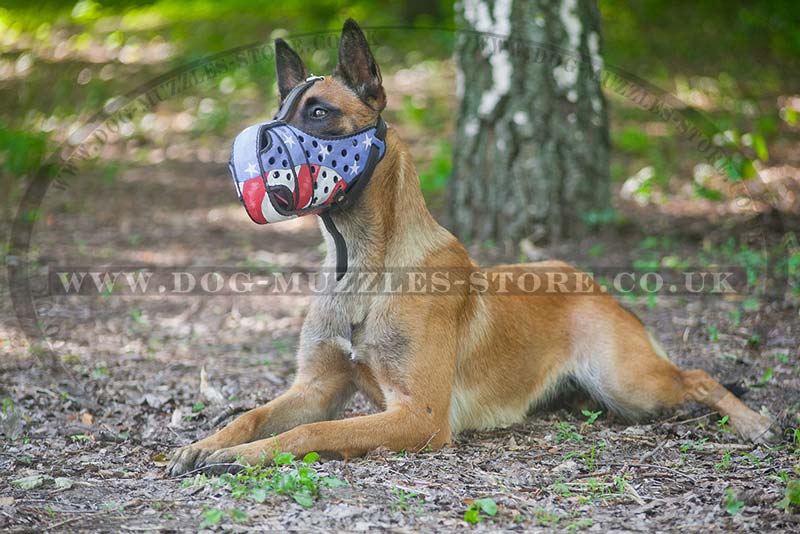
{"points": [[699, 386], [622, 369]]}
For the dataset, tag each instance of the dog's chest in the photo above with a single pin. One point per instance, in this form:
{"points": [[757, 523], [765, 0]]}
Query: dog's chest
{"points": [[378, 344]]}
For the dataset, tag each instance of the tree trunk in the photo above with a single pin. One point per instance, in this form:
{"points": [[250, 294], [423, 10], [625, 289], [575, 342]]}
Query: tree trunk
{"points": [[531, 147]]}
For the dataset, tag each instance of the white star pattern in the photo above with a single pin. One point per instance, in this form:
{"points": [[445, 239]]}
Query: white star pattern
{"points": [[323, 151], [251, 170], [288, 140], [367, 140], [354, 169]]}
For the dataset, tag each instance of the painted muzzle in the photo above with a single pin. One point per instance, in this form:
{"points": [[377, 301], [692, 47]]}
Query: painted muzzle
{"points": [[281, 172]]}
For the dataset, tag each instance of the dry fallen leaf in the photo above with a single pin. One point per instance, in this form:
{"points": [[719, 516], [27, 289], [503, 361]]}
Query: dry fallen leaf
{"points": [[160, 459], [87, 419], [208, 392], [63, 483], [177, 417]]}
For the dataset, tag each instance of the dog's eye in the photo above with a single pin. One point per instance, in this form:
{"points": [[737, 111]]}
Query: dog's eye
{"points": [[318, 112]]}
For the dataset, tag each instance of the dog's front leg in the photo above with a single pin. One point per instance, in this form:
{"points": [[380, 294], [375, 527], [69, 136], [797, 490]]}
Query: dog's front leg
{"points": [[402, 426], [416, 387], [323, 384]]}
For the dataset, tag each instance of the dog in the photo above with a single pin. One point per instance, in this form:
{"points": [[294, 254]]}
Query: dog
{"points": [[436, 364]]}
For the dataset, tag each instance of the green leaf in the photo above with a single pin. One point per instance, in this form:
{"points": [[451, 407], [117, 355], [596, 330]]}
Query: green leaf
{"points": [[258, 494], [472, 516], [284, 458], [303, 499], [751, 304], [488, 506], [792, 496], [310, 458], [29, 483], [790, 116], [333, 482], [211, 517], [238, 516], [198, 407], [760, 146]]}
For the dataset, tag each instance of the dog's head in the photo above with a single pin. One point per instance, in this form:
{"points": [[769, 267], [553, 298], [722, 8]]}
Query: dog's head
{"points": [[326, 140], [346, 102]]}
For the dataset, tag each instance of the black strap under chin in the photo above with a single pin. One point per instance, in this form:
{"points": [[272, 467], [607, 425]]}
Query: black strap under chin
{"points": [[341, 245]]}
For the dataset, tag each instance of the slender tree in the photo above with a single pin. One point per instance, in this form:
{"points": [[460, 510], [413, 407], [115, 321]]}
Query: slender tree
{"points": [[531, 146]]}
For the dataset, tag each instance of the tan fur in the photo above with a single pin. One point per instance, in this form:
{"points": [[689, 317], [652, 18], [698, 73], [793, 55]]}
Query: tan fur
{"points": [[440, 364]]}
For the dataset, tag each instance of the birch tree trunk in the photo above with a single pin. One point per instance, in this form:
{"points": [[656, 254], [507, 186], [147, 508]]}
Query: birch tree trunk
{"points": [[531, 147]]}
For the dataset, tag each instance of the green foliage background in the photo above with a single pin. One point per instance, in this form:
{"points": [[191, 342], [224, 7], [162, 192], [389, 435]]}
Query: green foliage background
{"points": [[744, 54]]}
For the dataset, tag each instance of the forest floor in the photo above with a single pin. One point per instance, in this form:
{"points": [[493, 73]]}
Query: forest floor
{"points": [[91, 435]]}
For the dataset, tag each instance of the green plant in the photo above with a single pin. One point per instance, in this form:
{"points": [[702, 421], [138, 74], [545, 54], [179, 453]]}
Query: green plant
{"points": [[546, 517], [731, 503], [580, 524], [404, 499], [198, 407], [281, 346], [591, 416], [566, 431], [698, 445], [589, 459], [713, 333], [596, 250], [722, 424], [792, 496], [211, 517], [754, 340], [736, 316], [198, 481], [286, 477], [725, 463], [100, 372], [476, 510], [766, 377]]}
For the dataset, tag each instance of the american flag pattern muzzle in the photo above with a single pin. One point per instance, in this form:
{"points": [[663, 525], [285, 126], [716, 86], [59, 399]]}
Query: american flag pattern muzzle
{"points": [[282, 172]]}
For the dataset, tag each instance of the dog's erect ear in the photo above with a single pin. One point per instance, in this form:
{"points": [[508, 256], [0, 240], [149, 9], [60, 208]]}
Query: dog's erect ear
{"points": [[357, 68], [290, 68]]}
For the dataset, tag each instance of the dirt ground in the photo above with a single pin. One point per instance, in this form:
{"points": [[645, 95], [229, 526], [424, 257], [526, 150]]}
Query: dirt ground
{"points": [[90, 435]]}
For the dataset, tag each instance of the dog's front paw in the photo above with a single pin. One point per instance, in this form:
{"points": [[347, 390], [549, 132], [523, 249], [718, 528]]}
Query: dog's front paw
{"points": [[187, 458], [221, 461]]}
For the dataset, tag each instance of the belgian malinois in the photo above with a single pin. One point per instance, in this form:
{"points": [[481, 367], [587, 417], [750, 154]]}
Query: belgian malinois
{"points": [[436, 364]]}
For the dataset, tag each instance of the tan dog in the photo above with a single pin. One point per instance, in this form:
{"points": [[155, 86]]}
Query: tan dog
{"points": [[437, 364]]}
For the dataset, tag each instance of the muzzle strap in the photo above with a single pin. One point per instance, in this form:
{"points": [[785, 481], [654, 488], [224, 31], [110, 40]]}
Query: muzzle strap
{"points": [[341, 244]]}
